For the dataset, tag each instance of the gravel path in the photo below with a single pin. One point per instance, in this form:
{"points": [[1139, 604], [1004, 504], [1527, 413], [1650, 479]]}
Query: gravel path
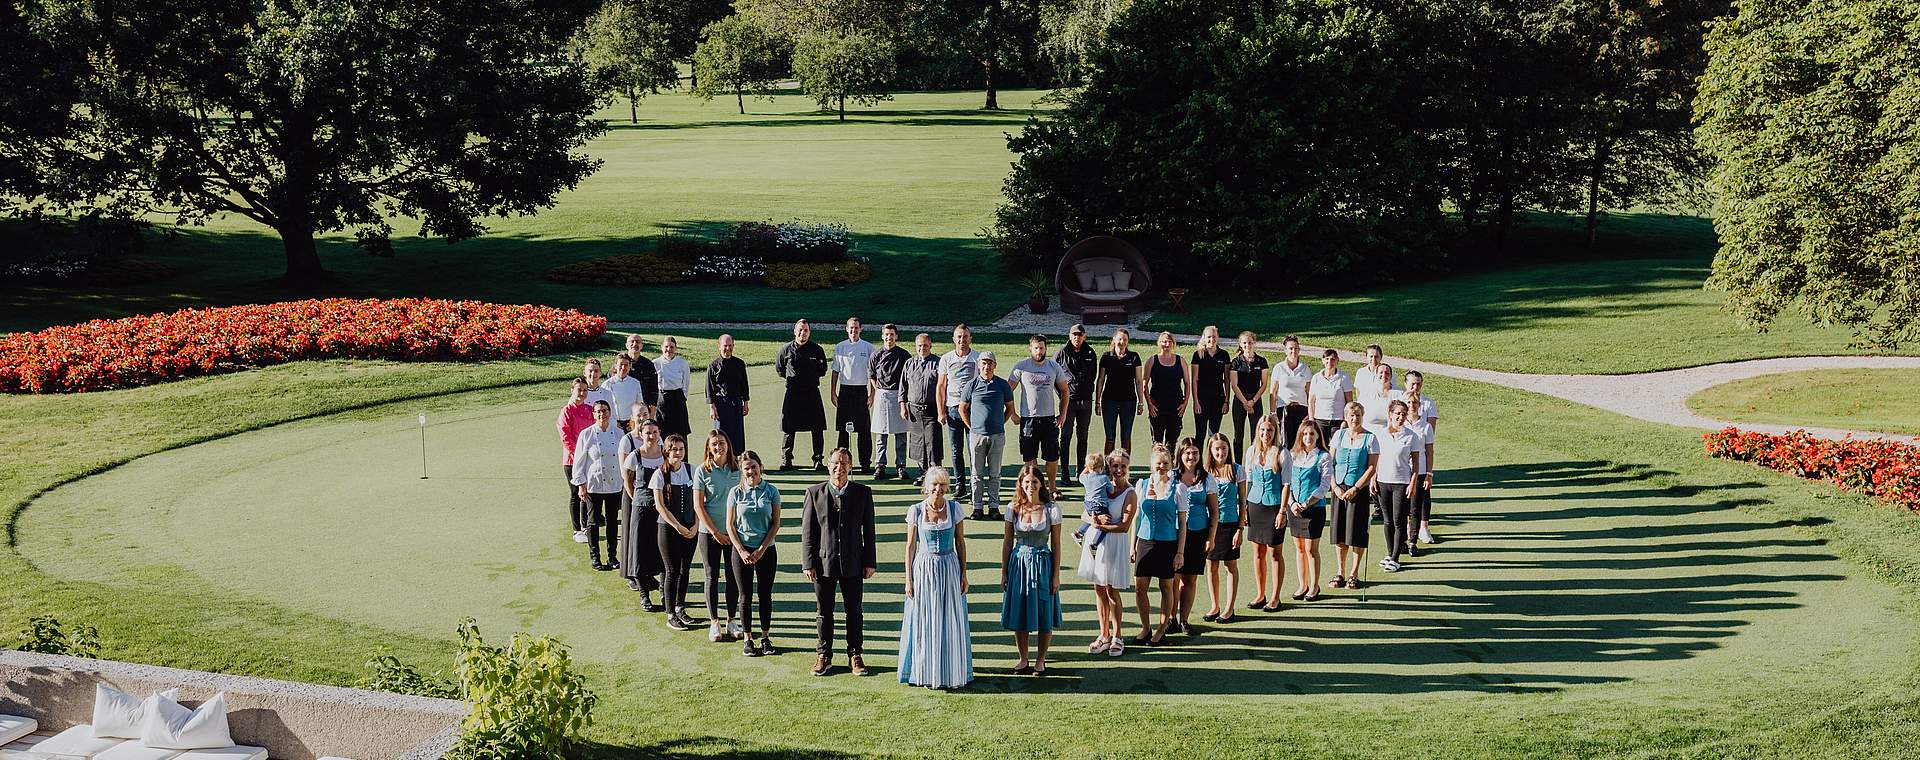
{"points": [[1652, 396]]}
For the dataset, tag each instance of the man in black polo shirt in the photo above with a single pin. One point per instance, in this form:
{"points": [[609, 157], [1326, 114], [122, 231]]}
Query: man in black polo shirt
{"points": [[1080, 361]]}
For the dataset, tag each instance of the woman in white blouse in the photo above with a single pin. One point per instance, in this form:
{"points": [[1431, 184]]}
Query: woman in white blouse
{"points": [[1378, 395], [596, 473], [1399, 464], [1328, 393], [674, 376], [1290, 379], [1422, 415]]}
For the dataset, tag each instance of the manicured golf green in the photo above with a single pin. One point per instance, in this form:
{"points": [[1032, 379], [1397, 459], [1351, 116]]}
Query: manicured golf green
{"points": [[1639, 308], [1848, 399], [1604, 589], [914, 179]]}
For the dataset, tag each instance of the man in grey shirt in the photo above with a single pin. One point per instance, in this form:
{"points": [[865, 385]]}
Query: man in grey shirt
{"points": [[958, 369], [920, 404], [1040, 385]]}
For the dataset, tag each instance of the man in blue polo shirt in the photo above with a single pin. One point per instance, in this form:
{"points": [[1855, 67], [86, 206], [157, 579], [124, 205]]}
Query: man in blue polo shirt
{"points": [[984, 410]]}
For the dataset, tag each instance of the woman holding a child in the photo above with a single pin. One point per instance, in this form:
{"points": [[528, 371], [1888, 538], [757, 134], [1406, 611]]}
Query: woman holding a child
{"points": [[1030, 568], [1106, 561]]}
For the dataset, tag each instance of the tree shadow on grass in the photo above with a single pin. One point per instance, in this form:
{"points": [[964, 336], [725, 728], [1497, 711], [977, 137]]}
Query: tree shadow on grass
{"points": [[1652, 582]]}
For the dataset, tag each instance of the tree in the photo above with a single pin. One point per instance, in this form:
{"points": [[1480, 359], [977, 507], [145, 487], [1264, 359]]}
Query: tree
{"points": [[984, 31], [36, 111], [835, 67], [1811, 113], [1069, 30], [314, 116], [628, 50], [735, 55], [1283, 142]]}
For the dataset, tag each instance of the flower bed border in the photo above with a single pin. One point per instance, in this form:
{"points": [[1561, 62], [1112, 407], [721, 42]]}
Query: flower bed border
{"points": [[1887, 470]]}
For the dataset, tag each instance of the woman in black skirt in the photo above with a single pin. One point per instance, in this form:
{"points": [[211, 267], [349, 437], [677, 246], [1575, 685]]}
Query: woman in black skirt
{"points": [[1229, 483], [674, 378], [1355, 456], [640, 455], [1266, 478], [1309, 472], [1202, 519], [672, 487], [1159, 545]]}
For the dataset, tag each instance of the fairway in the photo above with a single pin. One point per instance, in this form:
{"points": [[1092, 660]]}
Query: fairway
{"points": [[914, 179], [1849, 399], [1610, 603]]}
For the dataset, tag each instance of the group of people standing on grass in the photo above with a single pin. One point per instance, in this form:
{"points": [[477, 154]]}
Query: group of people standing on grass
{"points": [[1312, 450]]}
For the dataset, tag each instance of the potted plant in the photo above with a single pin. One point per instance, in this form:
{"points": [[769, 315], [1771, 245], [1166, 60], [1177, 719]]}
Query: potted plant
{"points": [[1041, 287]]}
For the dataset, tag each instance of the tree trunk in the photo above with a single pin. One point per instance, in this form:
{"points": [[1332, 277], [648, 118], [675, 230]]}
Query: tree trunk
{"points": [[992, 57], [693, 75], [633, 107], [843, 108], [740, 97], [1602, 151], [303, 257], [993, 95]]}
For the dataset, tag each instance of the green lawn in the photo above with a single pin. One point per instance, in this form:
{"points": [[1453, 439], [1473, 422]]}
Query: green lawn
{"points": [[1848, 399], [1639, 307], [1606, 590], [914, 179]]}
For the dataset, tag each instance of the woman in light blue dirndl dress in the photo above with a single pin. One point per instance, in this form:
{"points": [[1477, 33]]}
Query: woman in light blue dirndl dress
{"points": [[1030, 569], [936, 648]]}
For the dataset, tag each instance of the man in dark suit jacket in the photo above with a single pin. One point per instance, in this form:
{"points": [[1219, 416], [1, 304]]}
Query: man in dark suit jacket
{"points": [[837, 552]]}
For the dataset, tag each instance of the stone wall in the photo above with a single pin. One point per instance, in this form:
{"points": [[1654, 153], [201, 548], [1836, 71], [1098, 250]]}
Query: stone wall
{"points": [[294, 721]]}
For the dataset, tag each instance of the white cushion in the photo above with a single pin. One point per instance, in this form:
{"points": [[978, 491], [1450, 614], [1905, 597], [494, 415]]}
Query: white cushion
{"points": [[137, 751], [1122, 280], [1085, 277], [78, 741], [117, 714], [237, 752], [170, 726], [1103, 283], [1114, 296], [13, 727]]}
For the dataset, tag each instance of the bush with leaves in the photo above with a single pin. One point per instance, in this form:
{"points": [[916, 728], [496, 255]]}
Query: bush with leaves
{"points": [[816, 276], [835, 67], [392, 675], [47, 635], [737, 56], [625, 271], [527, 700]]}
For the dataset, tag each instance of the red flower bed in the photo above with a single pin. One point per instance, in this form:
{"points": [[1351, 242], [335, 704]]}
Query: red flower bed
{"points": [[156, 348], [1887, 470]]}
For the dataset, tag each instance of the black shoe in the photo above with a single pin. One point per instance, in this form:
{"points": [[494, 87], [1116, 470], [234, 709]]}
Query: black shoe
{"points": [[1413, 550], [786, 465], [691, 621], [613, 564], [633, 583], [646, 602], [920, 482], [674, 621], [977, 515], [747, 648], [766, 645], [866, 469], [995, 515], [819, 466]]}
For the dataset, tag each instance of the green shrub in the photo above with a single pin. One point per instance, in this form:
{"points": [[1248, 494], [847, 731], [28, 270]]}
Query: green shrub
{"points": [[392, 675], [527, 700], [47, 635], [624, 271], [684, 247], [791, 276]]}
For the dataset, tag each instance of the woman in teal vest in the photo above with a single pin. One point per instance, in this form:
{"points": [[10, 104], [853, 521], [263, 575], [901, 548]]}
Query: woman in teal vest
{"points": [[1309, 474], [1355, 456], [1159, 544]]}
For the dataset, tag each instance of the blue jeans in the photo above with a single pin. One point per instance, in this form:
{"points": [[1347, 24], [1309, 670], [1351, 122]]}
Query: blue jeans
{"points": [[1115, 413]]}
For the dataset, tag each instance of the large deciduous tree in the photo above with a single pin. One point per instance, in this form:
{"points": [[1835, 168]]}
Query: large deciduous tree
{"points": [[835, 67], [36, 113], [312, 116], [1280, 141], [1811, 112], [628, 50], [986, 32], [736, 55]]}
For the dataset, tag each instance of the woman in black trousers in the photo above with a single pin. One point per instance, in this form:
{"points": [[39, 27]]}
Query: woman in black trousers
{"points": [[1167, 393], [753, 519], [640, 456], [672, 488], [1393, 485]]}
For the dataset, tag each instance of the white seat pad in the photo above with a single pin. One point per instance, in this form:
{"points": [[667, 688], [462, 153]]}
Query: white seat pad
{"points": [[13, 727], [77, 741], [1108, 295], [134, 750], [236, 752]]}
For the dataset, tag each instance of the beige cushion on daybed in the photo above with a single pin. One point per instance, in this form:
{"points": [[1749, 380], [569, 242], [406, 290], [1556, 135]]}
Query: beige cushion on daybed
{"points": [[1111, 296], [77, 741], [14, 727]]}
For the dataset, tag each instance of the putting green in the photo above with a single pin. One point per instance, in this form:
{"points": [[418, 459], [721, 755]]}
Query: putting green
{"points": [[1846, 399], [1576, 592]]}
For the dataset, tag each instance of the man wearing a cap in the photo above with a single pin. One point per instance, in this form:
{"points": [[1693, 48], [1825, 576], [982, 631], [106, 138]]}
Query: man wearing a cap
{"points": [[958, 368], [1080, 361], [986, 407]]}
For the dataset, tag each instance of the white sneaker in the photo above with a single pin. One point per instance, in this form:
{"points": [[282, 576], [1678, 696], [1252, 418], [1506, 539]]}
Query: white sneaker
{"points": [[1425, 536], [733, 629], [713, 631], [579, 536], [1390, 566], [1385, 561]]}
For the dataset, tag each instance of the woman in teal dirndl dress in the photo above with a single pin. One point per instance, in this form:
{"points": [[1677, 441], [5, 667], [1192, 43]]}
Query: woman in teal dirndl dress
{"points": [[1030, 570], [936, 648]]}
